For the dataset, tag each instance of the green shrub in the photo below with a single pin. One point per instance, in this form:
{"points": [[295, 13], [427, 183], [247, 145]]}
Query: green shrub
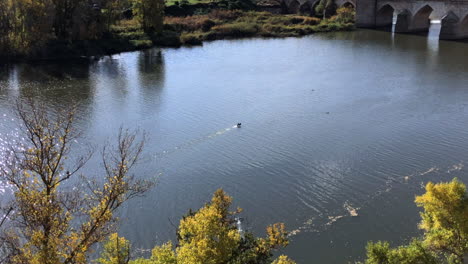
{"points": [[133, 35], [273, 28], [126, 26], [210, 36], [347, 26], [311, 21], [225, 14], [167, 38], [141, 43], [191, 39], [207, 24], [242, 29], [344, 15], [296, 20], [333, 26]]}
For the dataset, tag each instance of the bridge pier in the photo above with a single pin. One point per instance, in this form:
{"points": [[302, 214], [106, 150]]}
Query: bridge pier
{"points": [[453, 28], [403, 22], [366, 13], [384, 18]]}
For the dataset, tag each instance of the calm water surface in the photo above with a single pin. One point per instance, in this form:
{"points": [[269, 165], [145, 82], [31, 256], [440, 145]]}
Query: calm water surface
{"points": [[339, 130]]}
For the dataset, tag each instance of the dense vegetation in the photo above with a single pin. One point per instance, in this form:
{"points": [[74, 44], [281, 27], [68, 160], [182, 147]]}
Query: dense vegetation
{"points": [[444, 221], [208, 236], [235, 24], [45, 28], [74, 28]]}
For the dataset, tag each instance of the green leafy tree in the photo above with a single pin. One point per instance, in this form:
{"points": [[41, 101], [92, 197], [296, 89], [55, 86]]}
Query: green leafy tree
{"points": [[414, 253], [325, 8], [25, 25], [150, 13], [66, 14], [112, 11], [345, 15]]}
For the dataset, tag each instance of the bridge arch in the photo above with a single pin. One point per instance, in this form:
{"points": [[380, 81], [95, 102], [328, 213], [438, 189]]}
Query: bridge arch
{"points": [[293, 7], [449, 23], [348, 4], [306, 9], [452, 27], [463, 27], [403, 21], [421, 20], [384, 16]]}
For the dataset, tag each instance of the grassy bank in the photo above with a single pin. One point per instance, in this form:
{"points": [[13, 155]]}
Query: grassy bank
{"points": [[223, 24], [128, 35]]}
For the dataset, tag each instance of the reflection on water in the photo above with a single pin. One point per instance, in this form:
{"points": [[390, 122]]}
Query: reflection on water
{"points": [[339, 130]]}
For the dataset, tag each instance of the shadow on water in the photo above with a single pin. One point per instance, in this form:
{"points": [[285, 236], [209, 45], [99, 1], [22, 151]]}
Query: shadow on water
{"points": [[93, 85], [151, 69], [57, 83]]}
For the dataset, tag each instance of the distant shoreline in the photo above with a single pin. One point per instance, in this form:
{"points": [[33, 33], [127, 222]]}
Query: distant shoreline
{"points": [[186, 31]]}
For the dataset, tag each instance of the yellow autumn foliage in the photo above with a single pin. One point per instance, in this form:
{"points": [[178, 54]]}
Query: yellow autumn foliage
{"points": [[208, 236], [445, 218], [283, 260]]}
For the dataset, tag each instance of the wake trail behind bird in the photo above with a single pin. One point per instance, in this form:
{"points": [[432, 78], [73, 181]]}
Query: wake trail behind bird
{"points": [[188, 144]]}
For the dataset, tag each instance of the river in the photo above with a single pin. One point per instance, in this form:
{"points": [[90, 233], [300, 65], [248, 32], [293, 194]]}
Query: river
{"points": [[340, 131]]}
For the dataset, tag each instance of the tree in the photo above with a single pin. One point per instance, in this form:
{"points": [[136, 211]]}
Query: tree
{"points": [[65, 16], [113, 10], [53, 221], [164, 254], [325, 8], [5, 26], [283, 260], [25, 25], [445, 219], [445, 225], [344, 15], [28, 26], [414, 253], [210, 235], [150, 13], [116, 251]]}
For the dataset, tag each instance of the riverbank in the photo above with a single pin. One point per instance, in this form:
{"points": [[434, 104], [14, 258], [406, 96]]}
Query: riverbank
{"points": [[237, 24], [128, 35]]}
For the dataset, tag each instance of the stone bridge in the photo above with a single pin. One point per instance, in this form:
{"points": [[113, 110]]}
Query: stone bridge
{"points": [[414, 16], [308, 6]]}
